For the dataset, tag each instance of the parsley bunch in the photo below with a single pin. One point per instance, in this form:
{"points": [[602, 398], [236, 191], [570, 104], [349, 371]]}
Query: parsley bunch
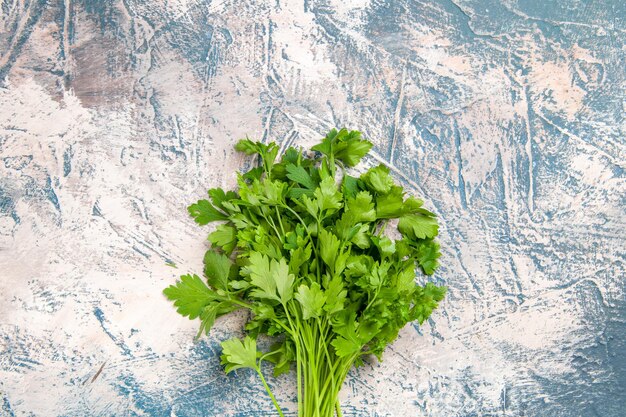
{"points": [[302, 246]]}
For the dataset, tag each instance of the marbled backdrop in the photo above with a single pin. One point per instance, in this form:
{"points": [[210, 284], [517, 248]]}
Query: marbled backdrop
{"points": [[507, 117]]}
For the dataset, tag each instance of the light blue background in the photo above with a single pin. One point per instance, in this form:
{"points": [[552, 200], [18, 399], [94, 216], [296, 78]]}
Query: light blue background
{"points": [[507, 117]]}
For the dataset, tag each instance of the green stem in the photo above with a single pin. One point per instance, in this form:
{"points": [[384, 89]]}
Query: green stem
{"points": [[269, 391], [243, 304], [343, 168], [382, 228], [315, 365], [338, 408], [299, 376], [295, 213], [296, 339], [323, 342], [239, 302], [280, 220], [271, 223], [319, 264]]}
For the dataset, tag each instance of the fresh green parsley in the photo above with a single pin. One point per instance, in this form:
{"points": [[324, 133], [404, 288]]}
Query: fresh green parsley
{"points": [[302, 246]]}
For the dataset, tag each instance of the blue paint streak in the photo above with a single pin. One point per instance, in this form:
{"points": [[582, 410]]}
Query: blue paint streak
{"points": [[51, 195], [6, 202], [104, 324], [459, 156], [95, 210], [148, 403], [103, 11], [7, 206], [142, 253], [67, 161], [6, 409], [19, 40]]}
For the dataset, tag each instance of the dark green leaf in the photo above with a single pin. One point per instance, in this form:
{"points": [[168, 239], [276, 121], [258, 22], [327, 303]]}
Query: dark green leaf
{"points": [[350, 186], [301, 176], [218, 196], [428, 255], [217, 269]]}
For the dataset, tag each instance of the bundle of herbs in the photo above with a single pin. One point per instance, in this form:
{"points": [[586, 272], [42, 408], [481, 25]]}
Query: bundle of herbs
{"points": [[303, 246]]}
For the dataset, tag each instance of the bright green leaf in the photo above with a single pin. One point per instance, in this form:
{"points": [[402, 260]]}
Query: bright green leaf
{"points": [[311, 300], [361, 208], [353, 152], [284, 280], [190, 295], [207, 317], [237, 354], [329, 247], [345, 347], [335, 295], [246, 146], [425, 300], [428, 255], [225, 237], [391, 204], [261, 277], [378, 179], [416, 226], [327, 195], [219, 197]]}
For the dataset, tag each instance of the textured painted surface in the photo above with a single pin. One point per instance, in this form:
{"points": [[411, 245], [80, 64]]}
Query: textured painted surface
{"points": [[506, 116]]}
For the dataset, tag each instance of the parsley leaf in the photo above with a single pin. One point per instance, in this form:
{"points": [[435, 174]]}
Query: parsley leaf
{"points": [[301, 176], [203, 212], [361, 207], [428, 255], [343, 145], [351, 148], [327, 195], [224, 237], [417, 226], [312, 300], [329, 245], [219, 197], [426, 299], [237, 354], [270, 277], [217, 269], [378, 179], [190, 295]]}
